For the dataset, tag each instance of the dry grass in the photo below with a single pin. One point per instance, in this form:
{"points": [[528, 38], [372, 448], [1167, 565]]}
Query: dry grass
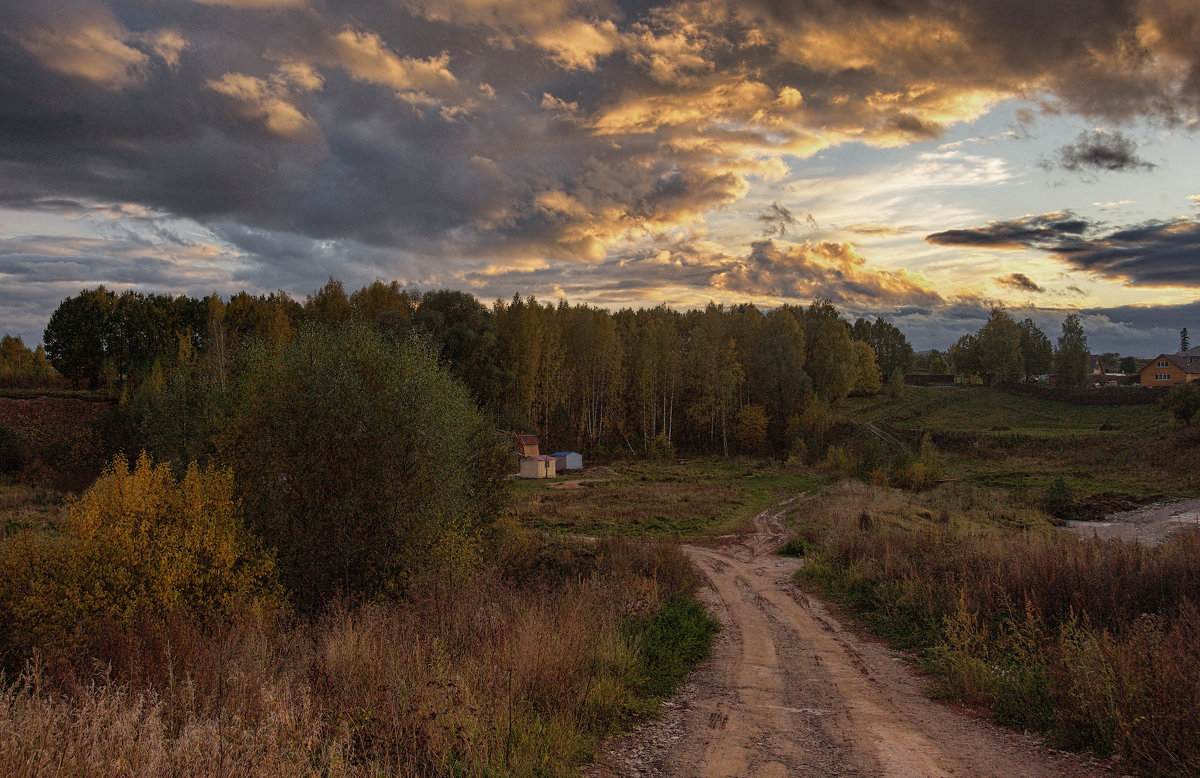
{"points": [[30, 508], [631, 509], [486, 677], [1096, 642]]}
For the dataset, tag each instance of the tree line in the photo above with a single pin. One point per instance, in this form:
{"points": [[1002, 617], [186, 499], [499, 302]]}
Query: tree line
{"points": [[719, 379], [1005, 350]]}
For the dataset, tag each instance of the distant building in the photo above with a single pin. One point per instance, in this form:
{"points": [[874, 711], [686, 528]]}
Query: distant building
{"points": [[568, 460], [540, 466], [527, 445], [1172, 369]]}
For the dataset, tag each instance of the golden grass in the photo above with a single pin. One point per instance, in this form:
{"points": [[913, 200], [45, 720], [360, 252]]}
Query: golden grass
{"points": [[516, 672]]}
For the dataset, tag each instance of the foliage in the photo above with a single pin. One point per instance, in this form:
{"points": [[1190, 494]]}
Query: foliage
{"points": [[750, 429], [1130, 365], [1059, 500], [24, 367], [140, 547], [670, 643], [99, 333], [1072, 356], [867, 381], [1037, 355], [964, 357], [831, 359], [360, 461], [1183, 401], [892, 350], [999, 345]]}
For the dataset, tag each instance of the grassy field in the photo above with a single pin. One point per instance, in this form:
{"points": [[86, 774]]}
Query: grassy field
{"points": [[658, 499], [980, 409], [1022, 444]]}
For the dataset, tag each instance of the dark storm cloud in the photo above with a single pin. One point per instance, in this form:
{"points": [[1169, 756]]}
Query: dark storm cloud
{"points": [[1019, 282], [1153, 254], [1049, 231], [1100, 150]]}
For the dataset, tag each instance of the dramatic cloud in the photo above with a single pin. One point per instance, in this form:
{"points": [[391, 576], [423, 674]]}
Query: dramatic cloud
{"points": [[1049, 231], [834, 271], [1154, 254], [1019, 282], [1101, 150], [455, 141]]}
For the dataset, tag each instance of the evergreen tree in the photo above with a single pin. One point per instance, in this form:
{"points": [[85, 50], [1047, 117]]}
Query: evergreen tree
{"points": [[1037, 354], [1072, 356]]}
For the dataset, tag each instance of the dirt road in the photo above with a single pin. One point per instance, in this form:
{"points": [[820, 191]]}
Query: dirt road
{"points": [[790, 692]]}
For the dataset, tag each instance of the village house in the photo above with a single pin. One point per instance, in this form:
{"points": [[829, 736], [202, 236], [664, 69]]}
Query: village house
{"points": [[1172, 369]]}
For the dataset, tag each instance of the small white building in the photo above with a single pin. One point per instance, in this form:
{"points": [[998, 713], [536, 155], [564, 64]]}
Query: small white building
{"points": [[540, 466], [568, 460]]}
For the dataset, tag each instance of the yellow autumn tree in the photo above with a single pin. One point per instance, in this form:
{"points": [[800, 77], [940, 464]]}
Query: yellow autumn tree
{"points": [[141, 546]]}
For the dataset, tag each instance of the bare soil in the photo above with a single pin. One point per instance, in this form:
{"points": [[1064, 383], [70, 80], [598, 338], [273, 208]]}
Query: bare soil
{"points": [[1150, 524], [789, 691]]}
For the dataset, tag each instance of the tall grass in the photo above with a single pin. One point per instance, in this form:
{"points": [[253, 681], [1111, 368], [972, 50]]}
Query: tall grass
{"points": [[1094, 642], [517, 672]]}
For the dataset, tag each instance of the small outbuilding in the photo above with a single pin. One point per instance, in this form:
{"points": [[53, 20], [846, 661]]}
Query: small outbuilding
{"points": [[527, 446], [568, 460], [540, 466]]}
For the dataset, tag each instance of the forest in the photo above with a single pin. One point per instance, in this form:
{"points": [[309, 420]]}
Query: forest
{"points": [[721, 379]]}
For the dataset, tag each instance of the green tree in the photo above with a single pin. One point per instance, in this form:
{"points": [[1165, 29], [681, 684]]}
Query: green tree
{"points": [[892, 350], [999, 344], [1183, 401], [360, 461], [77, 333], [464, 334], [1037, 354], [1071, 357], [1185, 342], [1130, 365], [964, 357], [831, 361], [715, 375], [776, 371]]}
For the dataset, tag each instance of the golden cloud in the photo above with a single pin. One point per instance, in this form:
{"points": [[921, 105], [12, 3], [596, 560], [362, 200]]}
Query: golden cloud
{"points": [[271, 101], [834, 271], [92, 46]]}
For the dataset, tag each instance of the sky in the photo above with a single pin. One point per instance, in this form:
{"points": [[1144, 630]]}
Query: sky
{"points": [[920, 160]]}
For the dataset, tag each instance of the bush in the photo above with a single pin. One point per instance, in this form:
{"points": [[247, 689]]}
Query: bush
{"points": [[1183, 401], [1059, 500], [141, 547], [361, 461]]}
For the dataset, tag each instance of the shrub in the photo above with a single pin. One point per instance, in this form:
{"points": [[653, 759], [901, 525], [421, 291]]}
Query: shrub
{"points": [[361, 461], [1059, 500], [140, 547], [1183, 401]]}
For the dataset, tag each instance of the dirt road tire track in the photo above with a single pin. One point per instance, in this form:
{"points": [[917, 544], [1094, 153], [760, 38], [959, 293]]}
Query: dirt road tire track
{"points": [[790, 692]]}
